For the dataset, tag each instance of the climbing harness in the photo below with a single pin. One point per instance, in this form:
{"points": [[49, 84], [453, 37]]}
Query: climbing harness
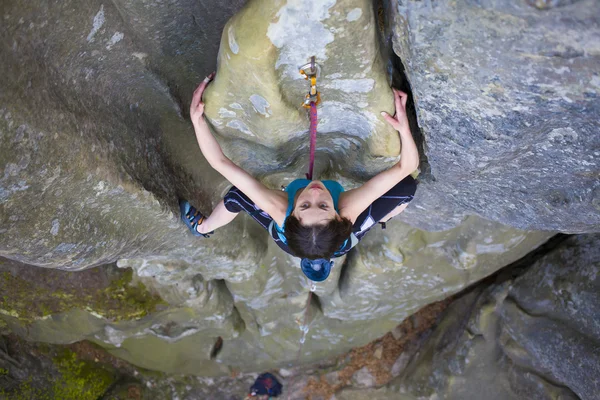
{"points": [[310, 72]]}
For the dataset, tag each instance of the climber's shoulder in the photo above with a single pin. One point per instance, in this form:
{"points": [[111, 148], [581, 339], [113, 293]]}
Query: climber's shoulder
{"points": [[280, 195], [280, 200], [279, 204], [273, 202], [344, 207]]}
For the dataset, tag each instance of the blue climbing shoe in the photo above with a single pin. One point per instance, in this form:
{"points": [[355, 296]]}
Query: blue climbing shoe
{"points": [[266, 384], [192, 218]]}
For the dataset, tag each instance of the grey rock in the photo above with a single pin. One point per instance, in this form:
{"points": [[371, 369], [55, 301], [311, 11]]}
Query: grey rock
{"points": [[507, 101], [333, 378], [536, 336], [398, 332], [400, 364], [371, 394], [363, 378]]}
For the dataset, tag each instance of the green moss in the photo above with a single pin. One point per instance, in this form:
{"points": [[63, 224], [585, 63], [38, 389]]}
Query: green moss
{"points": [[135, 300], [25, 391], [120, 300], [80, 380], [77, 380]]}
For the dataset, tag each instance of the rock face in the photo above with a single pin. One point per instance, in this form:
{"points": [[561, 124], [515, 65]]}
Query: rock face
{"points": [[395, 273], [96, 148], [507, 100], [93, 134], [261, 122], [535, 337]]}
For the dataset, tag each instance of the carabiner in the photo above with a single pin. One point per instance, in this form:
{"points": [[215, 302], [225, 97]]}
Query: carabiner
{"points": [[310, 72]]}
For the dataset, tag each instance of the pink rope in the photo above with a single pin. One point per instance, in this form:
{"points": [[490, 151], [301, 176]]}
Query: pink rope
{"points": [[313, 138]]}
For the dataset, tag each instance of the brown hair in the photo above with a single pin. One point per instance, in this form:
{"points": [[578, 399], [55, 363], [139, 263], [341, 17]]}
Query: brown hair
{"points": [[316, 241]]}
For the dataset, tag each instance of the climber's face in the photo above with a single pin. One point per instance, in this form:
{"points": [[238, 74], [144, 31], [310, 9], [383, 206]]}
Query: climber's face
{"points": [[314, 205]]}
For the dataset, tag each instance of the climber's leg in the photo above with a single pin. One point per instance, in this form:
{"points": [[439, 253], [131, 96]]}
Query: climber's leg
{"points": [[219, 217], [228, 208], [235, 201], [394, 212]]}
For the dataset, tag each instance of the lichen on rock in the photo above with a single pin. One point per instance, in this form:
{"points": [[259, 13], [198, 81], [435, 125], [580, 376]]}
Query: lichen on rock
{"points": [[53, 373], [31, 294]]}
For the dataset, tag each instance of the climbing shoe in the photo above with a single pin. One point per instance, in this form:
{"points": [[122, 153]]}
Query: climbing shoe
{"points": [[192, 218], [266, 384]]}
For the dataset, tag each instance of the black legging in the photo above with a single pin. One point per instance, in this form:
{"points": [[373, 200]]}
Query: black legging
{"points": [[404, 191]]}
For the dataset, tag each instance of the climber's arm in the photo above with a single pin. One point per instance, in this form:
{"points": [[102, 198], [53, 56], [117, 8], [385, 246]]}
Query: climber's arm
{"points": [[354, 202], [266, 199]]}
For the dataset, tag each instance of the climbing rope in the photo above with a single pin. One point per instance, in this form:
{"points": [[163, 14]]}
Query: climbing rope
{"points": [[313, 139], [310, 72]]}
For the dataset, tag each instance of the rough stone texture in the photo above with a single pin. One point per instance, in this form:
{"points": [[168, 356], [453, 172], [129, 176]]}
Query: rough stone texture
{"points": [[93, 137], [534, 337], [507, 100], [369, 394], [344, 317], [262, 124], [95, 149], [30, 371], [209, 314], [363, 378], [37, 371]]}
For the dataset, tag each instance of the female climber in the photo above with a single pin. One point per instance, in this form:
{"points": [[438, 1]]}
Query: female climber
{"points": [[314, 220]]}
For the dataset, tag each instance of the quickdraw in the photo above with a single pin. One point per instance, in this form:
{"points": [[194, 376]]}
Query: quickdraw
{"points": [[310, 72]]}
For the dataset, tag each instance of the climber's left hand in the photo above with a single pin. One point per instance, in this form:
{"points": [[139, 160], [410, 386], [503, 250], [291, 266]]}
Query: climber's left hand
{"points": [[400, 120], [197, 106]]}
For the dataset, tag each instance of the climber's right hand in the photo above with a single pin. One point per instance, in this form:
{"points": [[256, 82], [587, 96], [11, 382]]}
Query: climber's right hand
{"points": [[197, 106], [399, 120]]}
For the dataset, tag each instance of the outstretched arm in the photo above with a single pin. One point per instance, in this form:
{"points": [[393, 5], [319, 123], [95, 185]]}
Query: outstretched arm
{"points": [[208, 144], [354, 202], [262, 196]]}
